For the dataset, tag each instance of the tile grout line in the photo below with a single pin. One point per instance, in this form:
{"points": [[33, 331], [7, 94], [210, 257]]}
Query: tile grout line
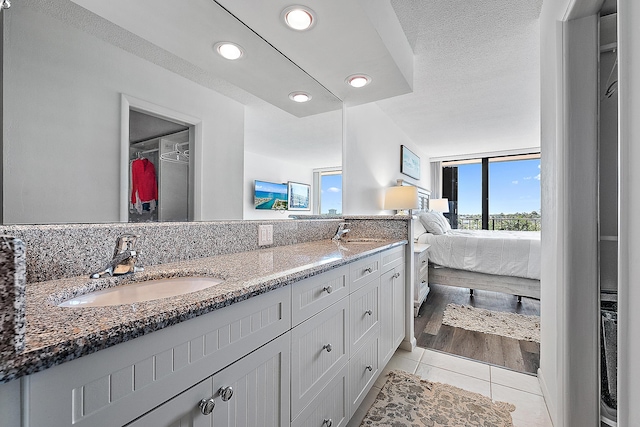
{"points": [[455, 372]]}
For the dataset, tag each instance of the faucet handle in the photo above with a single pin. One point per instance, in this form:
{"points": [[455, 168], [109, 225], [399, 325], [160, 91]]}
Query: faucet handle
{"points": [[125, 242]]}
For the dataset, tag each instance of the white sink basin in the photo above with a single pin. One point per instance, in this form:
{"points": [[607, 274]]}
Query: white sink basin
{"points": [[142, 291]]}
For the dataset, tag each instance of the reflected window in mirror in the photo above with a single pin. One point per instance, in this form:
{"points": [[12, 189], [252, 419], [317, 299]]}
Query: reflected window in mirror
{"points": [[328, 191]]}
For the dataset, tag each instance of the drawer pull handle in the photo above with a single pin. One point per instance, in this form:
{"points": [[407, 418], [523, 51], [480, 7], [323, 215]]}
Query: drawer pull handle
{"points": [[369, 312], [327, 347], [395, 276], [207, 405], [424, 261], [226, 393], [367, 270], [327, 422], [369, 368], [328, 289]]}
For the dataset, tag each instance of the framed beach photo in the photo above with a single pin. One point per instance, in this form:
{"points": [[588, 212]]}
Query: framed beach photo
{"points": [[299, 196], [409, 163]]}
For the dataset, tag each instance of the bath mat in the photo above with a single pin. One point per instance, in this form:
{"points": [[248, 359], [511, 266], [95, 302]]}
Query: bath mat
{"points": [[407, 400], [511, 325]]}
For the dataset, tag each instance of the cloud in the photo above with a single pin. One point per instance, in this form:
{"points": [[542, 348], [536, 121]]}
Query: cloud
{"points": [[333, 190], [514, 182], [537, 177], [527, 177]]}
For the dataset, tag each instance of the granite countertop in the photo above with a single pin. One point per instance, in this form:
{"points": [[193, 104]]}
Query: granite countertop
{"points": [[56, 335]]}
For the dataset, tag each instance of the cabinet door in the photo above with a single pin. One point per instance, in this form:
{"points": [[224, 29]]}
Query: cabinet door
{"points": [[181, 411], [363, 370], [330, 407], [260, 386], [392, 288], [319, 348], [260, 398], [364, 308]]}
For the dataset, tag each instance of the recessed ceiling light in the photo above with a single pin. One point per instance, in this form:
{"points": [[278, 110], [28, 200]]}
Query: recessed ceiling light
{"points": [[358, 80], [228, 50], [299, 18], [299, 96]]}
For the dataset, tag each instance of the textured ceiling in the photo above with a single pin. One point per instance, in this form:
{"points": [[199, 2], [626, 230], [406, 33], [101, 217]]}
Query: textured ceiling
{"points": [[476, 75]]}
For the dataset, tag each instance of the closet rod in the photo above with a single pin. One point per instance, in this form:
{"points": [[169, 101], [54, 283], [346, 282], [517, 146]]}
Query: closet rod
{"points": [[153, 150], [159, 136]]}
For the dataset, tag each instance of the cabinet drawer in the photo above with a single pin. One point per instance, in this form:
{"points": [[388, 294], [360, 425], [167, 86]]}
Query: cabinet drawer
{"points": [[422, 264], [364, 310], [392, 258], [364, 270], [312, 295], [363, 371], [330, 407], [319, 348]]}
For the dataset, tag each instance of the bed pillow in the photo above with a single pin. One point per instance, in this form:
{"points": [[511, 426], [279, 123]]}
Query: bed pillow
{"points": [[431, 222], [418, 229], [444, 221]]}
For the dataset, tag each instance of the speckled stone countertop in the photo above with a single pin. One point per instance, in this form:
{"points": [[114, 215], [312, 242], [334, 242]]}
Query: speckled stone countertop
{"points": [[55, 335]]}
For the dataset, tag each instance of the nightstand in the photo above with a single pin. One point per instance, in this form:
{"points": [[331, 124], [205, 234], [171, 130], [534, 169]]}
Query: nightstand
{"points": [[420, 275]]}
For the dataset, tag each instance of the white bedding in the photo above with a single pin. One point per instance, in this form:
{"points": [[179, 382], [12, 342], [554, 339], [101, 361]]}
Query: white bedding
{"points": [[505, 253]]}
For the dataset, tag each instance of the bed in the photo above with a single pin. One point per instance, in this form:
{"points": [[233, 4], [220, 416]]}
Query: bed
{"points": [[499, 261]]}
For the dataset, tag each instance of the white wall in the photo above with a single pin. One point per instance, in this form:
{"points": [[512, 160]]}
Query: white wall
{"points": [[61, 136], [263, 168], [371, 159]]}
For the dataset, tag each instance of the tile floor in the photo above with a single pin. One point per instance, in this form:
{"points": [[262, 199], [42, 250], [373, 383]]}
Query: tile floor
{"points": [[499, 384]]}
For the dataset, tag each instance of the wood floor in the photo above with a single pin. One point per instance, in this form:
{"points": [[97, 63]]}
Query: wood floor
{"points": [[522, 356]]}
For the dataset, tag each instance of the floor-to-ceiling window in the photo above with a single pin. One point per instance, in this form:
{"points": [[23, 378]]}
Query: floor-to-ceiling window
{"points": [[514, 193], [494, 193]]}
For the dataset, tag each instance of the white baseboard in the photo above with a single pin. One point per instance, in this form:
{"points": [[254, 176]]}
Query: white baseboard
{"points": [[408, 345], [551, 407]]}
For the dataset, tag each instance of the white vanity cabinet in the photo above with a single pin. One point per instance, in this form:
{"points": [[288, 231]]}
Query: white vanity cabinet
{"points": [[367, 322], [119, 384], [301, 355]]}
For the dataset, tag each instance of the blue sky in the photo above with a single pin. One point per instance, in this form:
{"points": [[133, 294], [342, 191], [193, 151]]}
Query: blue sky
{"points": [[331, 193], [513, 187]]}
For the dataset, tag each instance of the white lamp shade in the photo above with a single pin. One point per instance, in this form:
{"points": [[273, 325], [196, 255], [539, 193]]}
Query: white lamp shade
{"points": [[439, 205], [401, 197]]}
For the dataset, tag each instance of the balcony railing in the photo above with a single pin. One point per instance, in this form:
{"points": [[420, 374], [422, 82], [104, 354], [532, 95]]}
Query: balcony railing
{"points": [[467, 222]]}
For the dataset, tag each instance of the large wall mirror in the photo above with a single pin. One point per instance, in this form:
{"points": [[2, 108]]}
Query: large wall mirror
{"points": [[89, 86]]}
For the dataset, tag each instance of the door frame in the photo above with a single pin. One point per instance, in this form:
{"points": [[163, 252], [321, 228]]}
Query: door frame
{"points": [[127, 103]]}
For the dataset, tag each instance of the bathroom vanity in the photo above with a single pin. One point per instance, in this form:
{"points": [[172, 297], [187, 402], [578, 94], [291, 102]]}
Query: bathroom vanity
{"points": [[297, 337]]}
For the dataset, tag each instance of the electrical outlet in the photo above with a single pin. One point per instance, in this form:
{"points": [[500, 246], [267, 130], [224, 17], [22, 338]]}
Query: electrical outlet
{"points": [[265, 235]]}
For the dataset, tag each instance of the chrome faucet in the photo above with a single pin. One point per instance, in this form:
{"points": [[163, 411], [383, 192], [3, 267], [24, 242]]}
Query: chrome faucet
{"points": [[341, 231], [124, 258]]}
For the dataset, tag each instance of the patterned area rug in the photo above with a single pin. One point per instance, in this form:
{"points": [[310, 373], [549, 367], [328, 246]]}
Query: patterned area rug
{"points": [[407, 400], [512, 325]]}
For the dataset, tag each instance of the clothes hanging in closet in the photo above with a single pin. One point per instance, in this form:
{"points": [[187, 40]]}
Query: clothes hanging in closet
{"points": [[144, 186]]}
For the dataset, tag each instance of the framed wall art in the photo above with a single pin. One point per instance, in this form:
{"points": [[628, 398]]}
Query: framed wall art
{"points": [[299, 196], [409, 163]]}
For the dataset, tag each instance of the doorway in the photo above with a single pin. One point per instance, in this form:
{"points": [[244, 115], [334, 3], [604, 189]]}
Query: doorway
{"points": [[159, 173]]}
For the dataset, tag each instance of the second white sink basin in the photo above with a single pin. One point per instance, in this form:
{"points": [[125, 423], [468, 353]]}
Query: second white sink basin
{"points": [[142, 291]]}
